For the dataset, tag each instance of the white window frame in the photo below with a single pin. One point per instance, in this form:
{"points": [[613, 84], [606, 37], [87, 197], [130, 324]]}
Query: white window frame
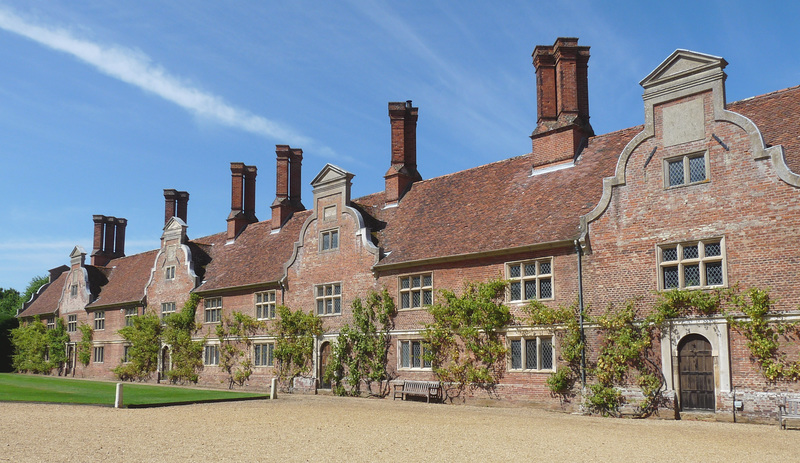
{"points": [[169, 272], [130, 312], [72, 323], [332, 236], [685, 159], [100, 320], [538, 341], [213, 310], [99, 354], [525, 277], [211, 355], [406, 360], [264, 354], [328, 298], [701, 261], [167, 308], [266, 304], [415, 286]]}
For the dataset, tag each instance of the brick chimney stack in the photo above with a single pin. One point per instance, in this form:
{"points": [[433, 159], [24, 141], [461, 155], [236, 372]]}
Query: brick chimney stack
{"points": [[182, 205], [236, 219], [288, 184], [403, 171], [250, 173], [562, 98], [109, 239]]}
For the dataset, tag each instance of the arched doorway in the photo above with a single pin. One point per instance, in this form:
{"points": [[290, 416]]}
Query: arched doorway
{"points": [[324, 358], [696, 367]]}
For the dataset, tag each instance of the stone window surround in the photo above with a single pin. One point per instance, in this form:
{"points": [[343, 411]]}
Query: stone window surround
{"points": [[72, 323], [211, 355], [332, 235], [537, 338], [130, 312], [408, 363], [701, 260], [685, 158], [322, 311], [100, 320], [264, 354], [169, 272], [420, 289], [212, 312], [265, 308], [539, 276], [99, 354]]}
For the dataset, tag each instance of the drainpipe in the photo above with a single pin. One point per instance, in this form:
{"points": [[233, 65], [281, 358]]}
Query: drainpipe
{"points": [[579, 252]]}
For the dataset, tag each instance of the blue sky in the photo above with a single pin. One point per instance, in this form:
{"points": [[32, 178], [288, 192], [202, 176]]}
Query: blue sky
{"points": [[103, 104]]}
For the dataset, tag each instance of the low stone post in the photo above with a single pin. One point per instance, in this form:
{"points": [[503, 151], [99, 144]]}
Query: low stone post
{"points": [[118, 399], [273, 393]]}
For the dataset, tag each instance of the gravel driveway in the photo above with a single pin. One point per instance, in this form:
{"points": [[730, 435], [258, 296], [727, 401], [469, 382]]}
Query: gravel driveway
{"points": [[324, 428]]}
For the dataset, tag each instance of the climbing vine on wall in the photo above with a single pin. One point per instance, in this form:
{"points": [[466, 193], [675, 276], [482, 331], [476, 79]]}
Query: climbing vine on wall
{"points": [[361, 350], [186, 355], [143, 338], [463, 343], [84, 346], [38, 349], [295, 332], [235, 347]]}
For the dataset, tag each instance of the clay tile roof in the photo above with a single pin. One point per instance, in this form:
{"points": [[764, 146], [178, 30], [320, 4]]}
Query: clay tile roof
{"points": [[127, 277], [46, 303], [256, 257], [450, 215], [772, 114]]}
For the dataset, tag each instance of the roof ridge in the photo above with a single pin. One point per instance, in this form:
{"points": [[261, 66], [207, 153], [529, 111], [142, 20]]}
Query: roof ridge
{"points": [[765, 95]]}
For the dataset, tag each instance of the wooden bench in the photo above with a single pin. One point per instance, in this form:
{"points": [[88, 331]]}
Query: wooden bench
{"points": [[428, 389], [788, 410]]}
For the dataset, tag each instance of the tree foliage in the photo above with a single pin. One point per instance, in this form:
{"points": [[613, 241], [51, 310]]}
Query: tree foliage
{"points": [[463, 343], [37, 349], [235, 347], [84, 347], [186, 354], [143, 337], [10, 301], [294, 346], [361, 350], [7, 323]]}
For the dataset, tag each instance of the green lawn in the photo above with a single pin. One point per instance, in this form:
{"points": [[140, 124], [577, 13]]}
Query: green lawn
{"points": [[35, 388]]}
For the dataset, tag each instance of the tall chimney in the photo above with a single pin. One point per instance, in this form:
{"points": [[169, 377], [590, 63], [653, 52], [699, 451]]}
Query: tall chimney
{"points": [[99, 257], [562, 98], [119, 237], [170, 198], [403, 171], [110, 226], [236, 219], [250, 193], [183, 204], [295, 178]]}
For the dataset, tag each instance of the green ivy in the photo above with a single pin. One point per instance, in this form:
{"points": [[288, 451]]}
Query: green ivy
{"points": [[235, 347], [463, 343], [144, 339], [84, 347], [361, 350], [39, 350], [185, 353], [294, 346]]}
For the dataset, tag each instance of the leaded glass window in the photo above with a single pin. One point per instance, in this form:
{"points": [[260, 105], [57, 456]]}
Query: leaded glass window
{"points": [[530, 280], [412, 355], [416, 291], [698, 264], [329, 299], [532, 353], [687, 169]]}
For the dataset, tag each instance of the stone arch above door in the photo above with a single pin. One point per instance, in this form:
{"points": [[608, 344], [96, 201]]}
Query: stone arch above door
{"points": [[715, 331]]}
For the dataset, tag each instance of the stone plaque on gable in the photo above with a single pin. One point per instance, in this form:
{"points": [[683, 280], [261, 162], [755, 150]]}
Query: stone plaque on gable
{"points": [[683, 122]]}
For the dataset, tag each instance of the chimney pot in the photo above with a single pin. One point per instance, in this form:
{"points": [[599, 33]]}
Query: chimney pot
{"points": [[170, 197], [250, 173], [236, 219], [183, 204], [119, 244]]}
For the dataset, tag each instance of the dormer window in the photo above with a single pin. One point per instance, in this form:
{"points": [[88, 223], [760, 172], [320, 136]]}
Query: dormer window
{"points": [[329, 240], [685, 170], [169, 273]]}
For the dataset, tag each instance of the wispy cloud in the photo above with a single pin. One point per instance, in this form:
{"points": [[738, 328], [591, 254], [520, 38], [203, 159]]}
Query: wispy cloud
{"points": [[136, 68]]}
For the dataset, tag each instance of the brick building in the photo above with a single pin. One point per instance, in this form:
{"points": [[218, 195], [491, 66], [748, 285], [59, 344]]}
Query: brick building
{"points": [[703, 195]]}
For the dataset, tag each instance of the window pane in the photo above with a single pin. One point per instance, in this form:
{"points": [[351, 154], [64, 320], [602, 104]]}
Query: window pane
{"points": [[337, 305], [544, 268], [326, 241], [334, 240], [697, 169], [328, 290], [516, 354], [670, 277], [427, 297], [416, 352], [530, 269], [404, 354], [405, 300], [713, 249], [545, 288], [515, 291], [337, 289], [415, 299], [669, 254], [426, 280], [329, 306], [530, 354], [404, 283], [676, 172], [513, 271], [691, 252], [320, 307], [415, 282], [530, 289], [691, 275], [714, 273], [547, 354]]}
